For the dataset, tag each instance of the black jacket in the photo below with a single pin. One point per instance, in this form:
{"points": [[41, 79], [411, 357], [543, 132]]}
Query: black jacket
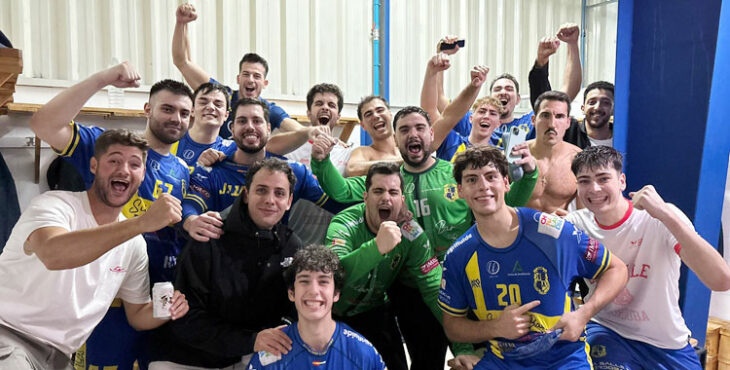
{"points": [[234, 287]]}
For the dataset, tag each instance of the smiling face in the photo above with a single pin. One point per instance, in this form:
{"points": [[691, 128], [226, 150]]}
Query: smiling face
{"points": [[250, 129], [210, 108], [504, 90], [118, 172], [313, 295], [251, 80], [484, 120], [324, 110], [376, 119], [268, 198], [413, 136], [600, 189], [384, 200], [483, 189], [598, 108], [168, 115], [551, 120]]}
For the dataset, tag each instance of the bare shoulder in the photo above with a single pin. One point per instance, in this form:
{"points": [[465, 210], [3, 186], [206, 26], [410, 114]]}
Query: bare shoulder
{"points": [[362, 153]]}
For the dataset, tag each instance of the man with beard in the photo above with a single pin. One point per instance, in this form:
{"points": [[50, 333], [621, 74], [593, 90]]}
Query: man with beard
{"points": [[432, 197], [168, 115], [72, 253], [375, 252], [375, 117], [556, 186], [213, 189]]}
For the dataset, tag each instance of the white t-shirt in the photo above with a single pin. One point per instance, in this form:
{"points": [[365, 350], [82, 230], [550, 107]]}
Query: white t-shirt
{"points": [[647, 309], [61, 308], [598, 142], [339, 156]]}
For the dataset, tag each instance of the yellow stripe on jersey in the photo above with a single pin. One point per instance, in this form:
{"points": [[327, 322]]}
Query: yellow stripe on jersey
{"points": [[173, 148], [604, 263], [136, 206], [199, 200], [451, 310], [461, 148], [472, 273], [321, 200], [73, 142]]}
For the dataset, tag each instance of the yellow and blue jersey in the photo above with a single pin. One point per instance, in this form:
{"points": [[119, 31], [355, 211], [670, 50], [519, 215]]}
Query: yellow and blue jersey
{"points": [[546, 256], [189, 150], [163, 174], [347, 349], [215, 188]]}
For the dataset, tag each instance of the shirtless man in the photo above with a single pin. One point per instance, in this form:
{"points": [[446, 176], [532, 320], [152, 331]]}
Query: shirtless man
{"points": [[375, 117], [556, 186]]}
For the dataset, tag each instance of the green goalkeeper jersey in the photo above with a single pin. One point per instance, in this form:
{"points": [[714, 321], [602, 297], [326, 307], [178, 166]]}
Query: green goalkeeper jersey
{"points": [[368, 274], [431, 195]]}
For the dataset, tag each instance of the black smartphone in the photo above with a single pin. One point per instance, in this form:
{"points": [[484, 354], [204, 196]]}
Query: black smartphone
{"points": [[445, 46]]}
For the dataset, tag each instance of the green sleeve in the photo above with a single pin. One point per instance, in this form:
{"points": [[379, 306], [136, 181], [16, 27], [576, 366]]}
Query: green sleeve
{"points": [[521, 190], [343, 190], [425, 271], [358, 259]]}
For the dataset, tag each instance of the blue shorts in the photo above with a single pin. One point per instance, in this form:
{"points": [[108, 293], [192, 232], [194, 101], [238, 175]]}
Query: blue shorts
{"points": [[562, 355], [113, 344], [612, 351]]}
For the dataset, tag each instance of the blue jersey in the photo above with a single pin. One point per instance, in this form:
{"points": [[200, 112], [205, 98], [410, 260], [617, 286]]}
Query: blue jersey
{"points": [[546, 256], [276, 113], [453, 144], [190, 151], [163, 174], [463, 127], [346, 350], [524, 123], [215, 188]]}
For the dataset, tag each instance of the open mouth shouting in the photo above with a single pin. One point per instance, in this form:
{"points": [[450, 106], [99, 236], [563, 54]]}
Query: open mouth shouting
{"points": [[414, 147], [119, 186], [384, 212], [324, 118]]}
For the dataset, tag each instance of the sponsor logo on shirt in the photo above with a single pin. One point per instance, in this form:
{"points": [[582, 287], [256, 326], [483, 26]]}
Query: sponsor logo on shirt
{"points": [[188, 154], [430, 265], [155, 165], [411, 230], [517, 270], [337, 241], [201, 190], [550, 225], [623, 298], [267, 358], [492, 267], [591, 250], [117, 269], [540, 280], [451, 192]]}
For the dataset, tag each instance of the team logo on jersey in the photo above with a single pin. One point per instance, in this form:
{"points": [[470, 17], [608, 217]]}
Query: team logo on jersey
{"points": [[396, 260], [188, 154], [409, 188], [598, 351], [154, 165], [550, 225], [540, 277], [492, 267], [451, 192]]}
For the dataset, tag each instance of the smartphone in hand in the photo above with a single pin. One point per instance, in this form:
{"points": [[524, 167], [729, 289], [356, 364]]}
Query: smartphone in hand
{"points": [[512, 138], [445, 46]]}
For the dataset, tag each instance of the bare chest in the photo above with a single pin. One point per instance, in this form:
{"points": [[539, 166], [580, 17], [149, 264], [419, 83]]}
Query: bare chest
{"points": [[556, 184]]}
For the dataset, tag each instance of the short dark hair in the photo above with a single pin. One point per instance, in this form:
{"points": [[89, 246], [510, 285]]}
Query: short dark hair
{"points": [[249, 101], [325, 88], [368, 99], [273, 165], [383, 168], [122, 137], [595, 157], [408, 110], [254, 58], [175, 87], [477, 157], [507, 76], [208, 87], [315, 257], [601, 85], [551, 96]]}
